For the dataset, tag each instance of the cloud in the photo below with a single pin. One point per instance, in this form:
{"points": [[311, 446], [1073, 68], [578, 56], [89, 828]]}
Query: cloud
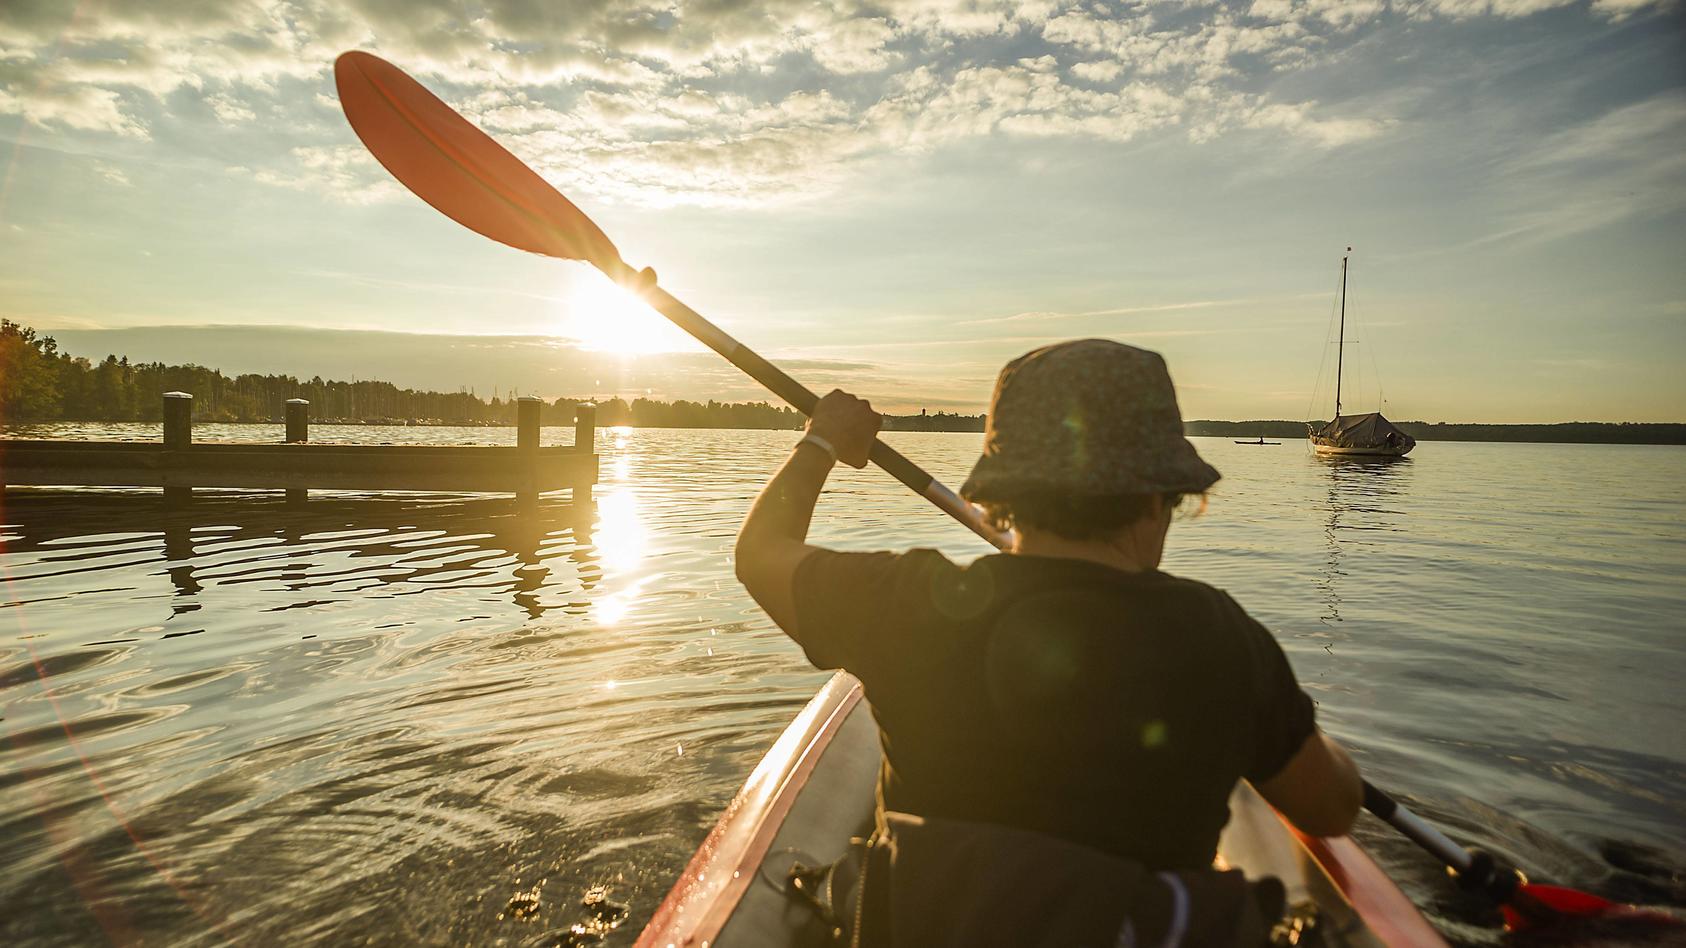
{"points": [[83, 108], [1626, 163], [1297, 118], [648, 102], [112, 173], [228, 110], [855, 46], [1341, 14], [1117, 311], [346, 171], [1102, 70]]}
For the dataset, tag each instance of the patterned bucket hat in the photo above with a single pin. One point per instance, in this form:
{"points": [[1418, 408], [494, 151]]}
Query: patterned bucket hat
{"points": [[1089, 417]]}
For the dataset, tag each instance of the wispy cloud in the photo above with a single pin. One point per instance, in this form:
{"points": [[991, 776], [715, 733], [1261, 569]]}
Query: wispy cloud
{"points": [[1045, 316], [1624, 163], [429, 286], [1574, 363]]}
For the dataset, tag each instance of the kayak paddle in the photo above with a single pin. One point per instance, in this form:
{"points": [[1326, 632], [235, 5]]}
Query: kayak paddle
{"points": [[464, 173], [1524, 904]]}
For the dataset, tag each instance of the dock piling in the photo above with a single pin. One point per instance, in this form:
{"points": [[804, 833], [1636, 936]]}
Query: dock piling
{"points": [[178, 436], [527, 422], [298, 420], [298, 432], [527, 409], [585, 442], [585, 427]]}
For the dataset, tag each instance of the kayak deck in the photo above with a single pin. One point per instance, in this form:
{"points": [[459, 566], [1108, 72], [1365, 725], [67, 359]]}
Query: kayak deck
{"points": [[814, 790]]}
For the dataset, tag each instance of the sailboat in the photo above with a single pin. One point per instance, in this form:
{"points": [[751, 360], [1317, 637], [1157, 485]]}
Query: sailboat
{"points": [[1368, 435]]}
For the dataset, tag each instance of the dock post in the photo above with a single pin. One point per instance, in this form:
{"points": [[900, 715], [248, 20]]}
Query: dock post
{"points": [[178, 436], [298, 420], [527, 409], [585, 427], [298, 430], [585, 442]]}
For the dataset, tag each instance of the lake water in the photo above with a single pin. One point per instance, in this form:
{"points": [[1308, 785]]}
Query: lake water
{"points": [[415, 719]]}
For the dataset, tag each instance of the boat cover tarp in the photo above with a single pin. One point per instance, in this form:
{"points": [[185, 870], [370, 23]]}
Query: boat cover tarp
{"points": [[1362, 431]]}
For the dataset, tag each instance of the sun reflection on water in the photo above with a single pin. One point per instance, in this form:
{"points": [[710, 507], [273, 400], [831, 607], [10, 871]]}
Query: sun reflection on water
{"points": [[621, 536], [611, 609], [621, 540]]}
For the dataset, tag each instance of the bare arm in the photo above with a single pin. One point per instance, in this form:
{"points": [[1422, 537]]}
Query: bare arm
{"points": [[771, 543], [1319, 789], [773, 539]]}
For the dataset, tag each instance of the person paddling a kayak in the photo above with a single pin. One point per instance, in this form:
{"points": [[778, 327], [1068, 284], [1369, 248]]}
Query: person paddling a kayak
{"points": [[1068, 686]]}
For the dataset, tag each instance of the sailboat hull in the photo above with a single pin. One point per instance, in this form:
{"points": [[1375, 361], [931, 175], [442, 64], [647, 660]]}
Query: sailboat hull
{"points": [[1378, 451]]}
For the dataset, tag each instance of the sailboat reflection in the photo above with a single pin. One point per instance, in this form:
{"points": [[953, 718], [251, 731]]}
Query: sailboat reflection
{"points": [[1361, 500]]}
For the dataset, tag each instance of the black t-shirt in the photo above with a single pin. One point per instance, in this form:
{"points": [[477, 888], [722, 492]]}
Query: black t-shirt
{"points": [[1062, 696]]}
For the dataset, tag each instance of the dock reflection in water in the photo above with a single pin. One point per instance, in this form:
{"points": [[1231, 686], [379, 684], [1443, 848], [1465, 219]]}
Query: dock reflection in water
{"points": [[328, 550]]}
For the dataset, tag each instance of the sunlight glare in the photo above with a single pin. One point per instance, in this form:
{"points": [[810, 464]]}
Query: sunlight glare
{"points": [[604, 317], [620, 534], [611, 609]]}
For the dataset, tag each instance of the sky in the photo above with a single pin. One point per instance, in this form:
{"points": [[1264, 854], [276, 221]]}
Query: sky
{"points": [[894, 198]]}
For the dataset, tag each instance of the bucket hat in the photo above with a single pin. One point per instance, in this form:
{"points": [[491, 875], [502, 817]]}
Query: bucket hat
{"points": [[1089, 417]]}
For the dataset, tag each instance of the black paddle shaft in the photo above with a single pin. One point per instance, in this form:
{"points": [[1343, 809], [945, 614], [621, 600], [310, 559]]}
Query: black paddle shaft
{"points": [[776, 380]]}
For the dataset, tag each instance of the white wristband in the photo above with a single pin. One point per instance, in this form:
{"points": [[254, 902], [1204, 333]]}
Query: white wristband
{"points": [[820, 443]]}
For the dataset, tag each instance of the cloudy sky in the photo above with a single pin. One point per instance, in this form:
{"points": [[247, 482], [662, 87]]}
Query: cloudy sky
{"points": [[894, 197]]}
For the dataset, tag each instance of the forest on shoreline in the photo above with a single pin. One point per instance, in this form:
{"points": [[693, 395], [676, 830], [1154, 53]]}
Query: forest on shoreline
{"points": [[41, 383]]}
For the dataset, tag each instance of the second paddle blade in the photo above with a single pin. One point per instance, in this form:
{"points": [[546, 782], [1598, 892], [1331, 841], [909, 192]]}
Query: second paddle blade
{"points": [[459, 169], [1549, 907]]}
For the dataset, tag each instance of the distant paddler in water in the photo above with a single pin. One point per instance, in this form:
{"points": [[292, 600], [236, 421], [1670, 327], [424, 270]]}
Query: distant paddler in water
{"points": [[1064, 693]]}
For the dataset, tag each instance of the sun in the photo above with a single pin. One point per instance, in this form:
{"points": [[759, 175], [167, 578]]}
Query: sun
{"points": [[607, 318]]}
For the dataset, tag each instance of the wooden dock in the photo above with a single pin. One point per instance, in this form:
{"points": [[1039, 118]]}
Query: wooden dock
{"points": [[178, 464]]}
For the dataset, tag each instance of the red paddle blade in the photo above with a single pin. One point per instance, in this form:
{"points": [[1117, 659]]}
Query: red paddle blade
{"points": [[459, 169], [1536, 905]]}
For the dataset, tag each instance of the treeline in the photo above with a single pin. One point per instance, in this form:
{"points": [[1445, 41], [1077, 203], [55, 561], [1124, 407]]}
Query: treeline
{"points": [[649, 413], [40, 382], [941, 421], [1570, 432]]}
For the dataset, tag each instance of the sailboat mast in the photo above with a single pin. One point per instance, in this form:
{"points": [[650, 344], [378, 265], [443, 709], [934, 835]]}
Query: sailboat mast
{"points": [[1340, 347]]}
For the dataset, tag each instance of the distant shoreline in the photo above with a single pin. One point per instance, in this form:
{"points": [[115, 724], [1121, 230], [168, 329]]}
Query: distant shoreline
{"points": [[1574, 432], [46, 385], [1570, 432]]}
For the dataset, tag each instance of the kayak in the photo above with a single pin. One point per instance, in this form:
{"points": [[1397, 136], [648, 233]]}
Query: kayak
{"points": [[814, 790]]}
